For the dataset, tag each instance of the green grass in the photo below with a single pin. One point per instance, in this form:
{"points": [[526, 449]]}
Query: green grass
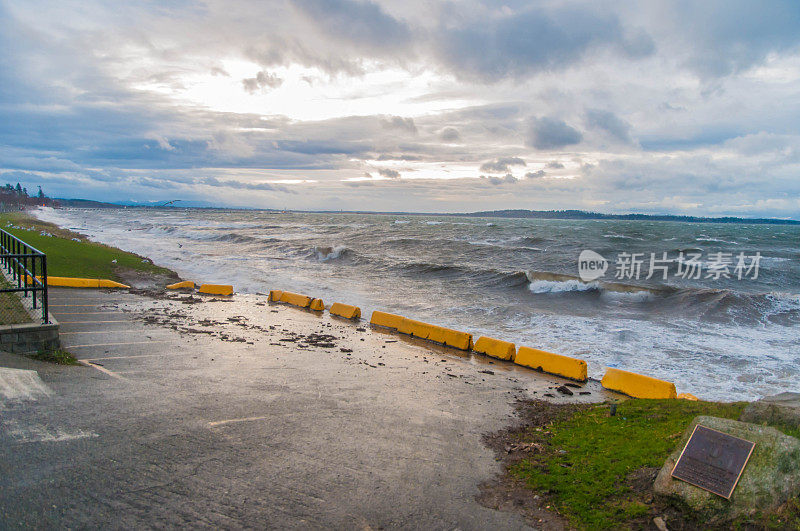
{"points": [[58, 356], [69, 258], [794, 431], [589, 458]]}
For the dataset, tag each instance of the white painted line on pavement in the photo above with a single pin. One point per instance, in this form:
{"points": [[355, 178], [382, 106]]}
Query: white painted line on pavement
{"points": [[73, 305], [102, 369], [104, 332], [87, 322], [115, 344], [131, 356], [89, 313]]}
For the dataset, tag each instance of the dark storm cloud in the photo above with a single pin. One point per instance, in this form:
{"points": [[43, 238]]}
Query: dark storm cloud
{"points": [[362, 23], [531, 40], [400, 123], [727, 36], [261, 81], [496, 181], [501, 164], [449, 134], [535, 174], [389, 173], [551, 133], [610, 123]]}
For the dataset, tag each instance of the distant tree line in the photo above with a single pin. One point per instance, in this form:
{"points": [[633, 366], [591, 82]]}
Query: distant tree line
{"points": [[17, 198], [582, 214]]}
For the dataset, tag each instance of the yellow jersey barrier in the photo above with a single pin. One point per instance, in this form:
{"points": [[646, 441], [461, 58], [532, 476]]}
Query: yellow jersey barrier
{"points": [[502, 350], [552, 363], [637, 385]]}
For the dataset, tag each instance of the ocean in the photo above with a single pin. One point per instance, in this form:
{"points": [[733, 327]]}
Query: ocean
{"points": [[719, 315]]}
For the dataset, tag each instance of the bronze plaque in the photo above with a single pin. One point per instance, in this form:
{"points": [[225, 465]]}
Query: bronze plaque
{"points": [[713, 460]]}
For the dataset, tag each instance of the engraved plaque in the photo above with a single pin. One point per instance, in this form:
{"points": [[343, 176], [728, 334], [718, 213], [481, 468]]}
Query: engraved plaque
{"points": [[713, 460]]}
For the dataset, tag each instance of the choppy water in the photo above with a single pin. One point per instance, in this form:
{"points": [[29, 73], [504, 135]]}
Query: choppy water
{"points": [[514, 279]]}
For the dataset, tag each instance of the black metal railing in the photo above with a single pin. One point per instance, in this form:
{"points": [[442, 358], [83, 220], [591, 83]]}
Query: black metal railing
{"points": [[25, 272]]}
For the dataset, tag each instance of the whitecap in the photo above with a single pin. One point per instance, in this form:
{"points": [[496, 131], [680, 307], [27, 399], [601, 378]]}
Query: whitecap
{"points": [[325, 254], [633, 296], [562, 286], [718, 240]]}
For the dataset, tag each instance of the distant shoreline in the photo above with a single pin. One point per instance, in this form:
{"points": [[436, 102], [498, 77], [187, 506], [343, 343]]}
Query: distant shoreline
{"points": [[504, 214]]}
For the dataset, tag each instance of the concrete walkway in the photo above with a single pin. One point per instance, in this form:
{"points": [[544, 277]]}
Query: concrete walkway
{"points": [[229, 414]]}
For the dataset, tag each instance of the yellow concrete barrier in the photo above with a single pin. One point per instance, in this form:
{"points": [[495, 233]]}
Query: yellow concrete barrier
{"points": [[437, 334], [186, 284], [388, 320], [216, 289], [450, 338], [295, 299], [637, 385], [688, 396], [345, 310], [495, 348], [414, 328], [552, 363], [69, 282]]}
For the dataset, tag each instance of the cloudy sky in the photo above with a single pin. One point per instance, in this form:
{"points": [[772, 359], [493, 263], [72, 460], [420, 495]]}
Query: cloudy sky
{"points": [[407, 105]]}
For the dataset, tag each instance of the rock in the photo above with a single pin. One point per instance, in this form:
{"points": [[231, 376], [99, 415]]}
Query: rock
{"points": [[564, 390], [771, 477], [660, 523], [783, 408]]}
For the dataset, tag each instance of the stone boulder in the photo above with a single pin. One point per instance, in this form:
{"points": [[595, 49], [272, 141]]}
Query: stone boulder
{"points": [[783, 408], [771, 477]]}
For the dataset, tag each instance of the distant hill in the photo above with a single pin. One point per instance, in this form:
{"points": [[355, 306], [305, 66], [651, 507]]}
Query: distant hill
{"points": [[84, 203], [517, 213], [581, 214], [87, 203]]}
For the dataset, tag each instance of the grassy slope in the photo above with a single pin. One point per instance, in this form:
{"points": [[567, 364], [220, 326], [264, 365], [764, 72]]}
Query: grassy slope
{"points": [[588, 460], [69, 258]]}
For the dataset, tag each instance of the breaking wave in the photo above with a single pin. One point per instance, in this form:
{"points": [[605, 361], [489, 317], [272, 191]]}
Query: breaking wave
{"points": [[329, 254]]}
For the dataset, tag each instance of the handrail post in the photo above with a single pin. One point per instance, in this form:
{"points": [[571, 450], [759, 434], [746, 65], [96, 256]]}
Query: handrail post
{"points": [[33, 280], [16, 260], [24, 276], [45, 310]]}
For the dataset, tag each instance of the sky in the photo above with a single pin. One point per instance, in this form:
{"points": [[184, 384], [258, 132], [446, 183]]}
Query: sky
{"points": [[679, 107]]}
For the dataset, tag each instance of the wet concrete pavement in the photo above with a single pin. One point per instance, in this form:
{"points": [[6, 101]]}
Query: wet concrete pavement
{"points": [[231, 414]]}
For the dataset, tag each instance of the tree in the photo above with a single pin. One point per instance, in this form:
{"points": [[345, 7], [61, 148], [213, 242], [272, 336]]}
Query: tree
{"points": [[19, 189], [40, 195]]}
